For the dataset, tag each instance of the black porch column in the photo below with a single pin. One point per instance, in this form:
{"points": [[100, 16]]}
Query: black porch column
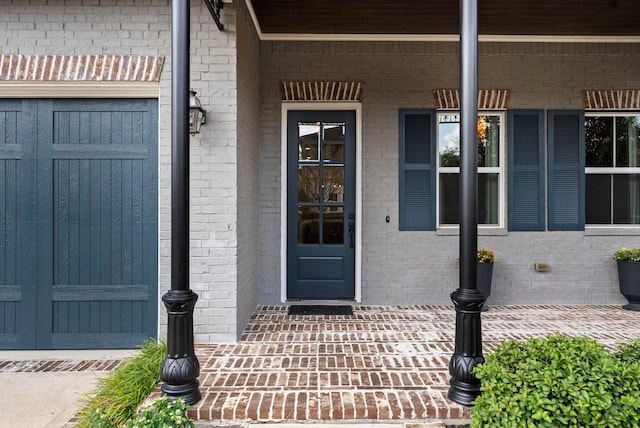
{"points": [[180, 368], [465, 387]]}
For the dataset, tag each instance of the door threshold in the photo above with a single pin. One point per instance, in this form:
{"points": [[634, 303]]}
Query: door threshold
{"points": [[330, 302]]}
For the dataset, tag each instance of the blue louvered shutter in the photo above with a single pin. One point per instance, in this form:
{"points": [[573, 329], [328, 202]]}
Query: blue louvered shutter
{"points": [[417, 170], [526, 170], [566, 169]]}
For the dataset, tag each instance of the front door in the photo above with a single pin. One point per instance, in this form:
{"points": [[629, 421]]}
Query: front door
{"points": [[321, 147]]}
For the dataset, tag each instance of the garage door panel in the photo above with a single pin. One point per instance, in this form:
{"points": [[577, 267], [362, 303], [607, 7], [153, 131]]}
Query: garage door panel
{"points": [[104, 192], [83, 174], [17, 224], [98, 222]]}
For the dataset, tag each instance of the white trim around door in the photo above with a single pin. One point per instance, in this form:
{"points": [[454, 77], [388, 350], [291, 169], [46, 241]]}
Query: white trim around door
{"points": [[286, 106]]}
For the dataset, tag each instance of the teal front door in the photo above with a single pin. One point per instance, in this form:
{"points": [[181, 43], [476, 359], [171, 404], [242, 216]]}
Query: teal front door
{"points": [[321, 221], [78, 223]]}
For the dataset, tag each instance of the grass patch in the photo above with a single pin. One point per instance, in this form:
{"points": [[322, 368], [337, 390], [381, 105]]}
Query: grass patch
{"points": [[117, 395]]}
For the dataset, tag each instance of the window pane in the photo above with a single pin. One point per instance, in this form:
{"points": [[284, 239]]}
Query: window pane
{"points": [[598, 199], [599, 141], [333, 183], [449, 140], [488, 198], [489, 141], [308, 183], [626, 199], [308, 225], [308, 140], [449, 201], [488, 131], [333, 225], [628, 141], [333, 142]]}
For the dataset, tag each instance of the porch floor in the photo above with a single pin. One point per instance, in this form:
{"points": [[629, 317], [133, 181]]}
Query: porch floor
{"points": [[383, 364]]}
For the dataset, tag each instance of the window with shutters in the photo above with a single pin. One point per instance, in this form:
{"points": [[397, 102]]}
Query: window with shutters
{"points": [[491, 144], [612, 169]]}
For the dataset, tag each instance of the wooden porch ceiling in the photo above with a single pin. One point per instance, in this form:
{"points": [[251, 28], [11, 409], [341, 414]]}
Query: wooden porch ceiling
{"points": [[593, 18]]}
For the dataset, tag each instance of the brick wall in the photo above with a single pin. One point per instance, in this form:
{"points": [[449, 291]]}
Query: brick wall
{"points": [[215, 176], [420, 267], [248, 153]]}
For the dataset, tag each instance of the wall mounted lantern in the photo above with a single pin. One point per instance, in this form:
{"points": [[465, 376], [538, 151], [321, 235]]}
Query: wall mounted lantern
{"points": [[197, 115]]}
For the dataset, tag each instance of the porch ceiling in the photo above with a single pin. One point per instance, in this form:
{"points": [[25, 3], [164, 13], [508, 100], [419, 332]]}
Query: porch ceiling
{"points": [[592, 18]]}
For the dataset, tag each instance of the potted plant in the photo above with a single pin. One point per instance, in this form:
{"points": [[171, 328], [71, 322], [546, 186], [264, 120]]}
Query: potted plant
{"points": [[628, 260], [486, 259]]}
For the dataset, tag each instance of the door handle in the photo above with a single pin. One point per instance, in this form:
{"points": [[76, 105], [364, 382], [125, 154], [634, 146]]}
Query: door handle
{"points": [[352, 231]]}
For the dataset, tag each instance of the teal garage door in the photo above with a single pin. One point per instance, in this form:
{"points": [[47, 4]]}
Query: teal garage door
{"points": [[78, 223]]}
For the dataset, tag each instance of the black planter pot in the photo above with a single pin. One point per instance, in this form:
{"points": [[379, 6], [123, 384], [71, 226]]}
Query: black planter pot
{"points": [[485, 273], [629, 279]]}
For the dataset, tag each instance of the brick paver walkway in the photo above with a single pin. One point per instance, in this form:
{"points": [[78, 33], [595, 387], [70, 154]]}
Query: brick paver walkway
{"points": [[382, 363]]}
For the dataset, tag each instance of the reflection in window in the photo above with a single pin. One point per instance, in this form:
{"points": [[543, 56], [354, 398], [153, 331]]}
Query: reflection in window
{"points": [[308, 225], [612, 157], [333, 226], [489, 139]]}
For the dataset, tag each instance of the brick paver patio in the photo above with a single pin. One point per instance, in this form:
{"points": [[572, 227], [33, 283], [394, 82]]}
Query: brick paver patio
{"points": [[384, 363]]}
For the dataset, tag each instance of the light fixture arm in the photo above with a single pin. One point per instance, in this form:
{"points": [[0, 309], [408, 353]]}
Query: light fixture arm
{"points": [[214, 7]]}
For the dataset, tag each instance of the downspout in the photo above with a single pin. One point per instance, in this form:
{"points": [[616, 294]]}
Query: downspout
{"points": [[468, 300], [181, 367]]}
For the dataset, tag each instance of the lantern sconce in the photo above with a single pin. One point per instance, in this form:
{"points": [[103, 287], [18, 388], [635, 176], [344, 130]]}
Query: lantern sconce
{"points": [[197, 115]]}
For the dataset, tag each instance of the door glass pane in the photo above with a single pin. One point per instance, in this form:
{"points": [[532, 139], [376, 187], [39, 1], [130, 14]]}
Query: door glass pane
{"points": [[333, 225], [333, 183], [308, 140], [599, 141], [308, 225], [308, 183], [333, 142]]}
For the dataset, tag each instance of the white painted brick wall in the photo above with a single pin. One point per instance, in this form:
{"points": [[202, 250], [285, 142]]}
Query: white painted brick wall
{"points": [[248, 165], [420, 267]]}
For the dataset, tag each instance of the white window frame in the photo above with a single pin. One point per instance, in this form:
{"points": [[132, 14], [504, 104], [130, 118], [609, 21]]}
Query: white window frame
{"points": [[500, 170], [610, 170]]}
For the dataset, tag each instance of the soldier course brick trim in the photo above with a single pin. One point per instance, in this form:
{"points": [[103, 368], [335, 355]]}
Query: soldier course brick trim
{"points": [[612, 99], [77, 68], [321, 91], [488, 99]]}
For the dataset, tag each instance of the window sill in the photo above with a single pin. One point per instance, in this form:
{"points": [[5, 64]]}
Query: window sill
{"points": [[612, 231], [455, 231]]}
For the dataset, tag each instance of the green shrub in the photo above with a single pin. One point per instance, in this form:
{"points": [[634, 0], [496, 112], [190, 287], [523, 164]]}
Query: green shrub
{"points": [[629, 352], [558, 381], [164, 413], [117, 395]]}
